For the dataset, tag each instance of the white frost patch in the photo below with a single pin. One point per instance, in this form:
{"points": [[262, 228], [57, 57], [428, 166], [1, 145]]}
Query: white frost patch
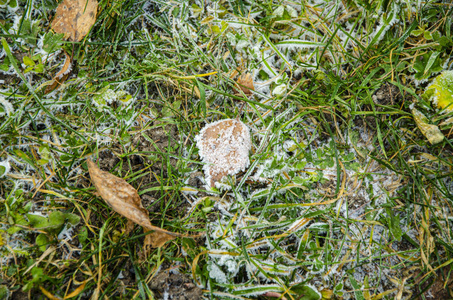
{"points": [[217, 274], [9, 109], [7, 167], [224, 148]]}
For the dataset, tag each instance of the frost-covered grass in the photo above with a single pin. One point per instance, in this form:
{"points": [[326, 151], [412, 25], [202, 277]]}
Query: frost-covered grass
{"points": [[344, 197]]}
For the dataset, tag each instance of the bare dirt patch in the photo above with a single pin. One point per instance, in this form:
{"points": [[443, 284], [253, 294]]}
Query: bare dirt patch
{"points": [[167, 285]]}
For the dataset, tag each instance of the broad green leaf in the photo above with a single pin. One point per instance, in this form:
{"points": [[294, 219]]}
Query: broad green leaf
{"points": [[42, 241], [72, 218], [28, 61], [52, 42], [440, 91], [37, 221], [56, 218], [4, 292], [306, 292], [13, 229]]}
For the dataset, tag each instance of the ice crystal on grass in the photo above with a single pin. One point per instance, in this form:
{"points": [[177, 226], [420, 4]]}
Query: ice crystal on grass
{"points": [[217, 274], [8, 108], [4, 168]]}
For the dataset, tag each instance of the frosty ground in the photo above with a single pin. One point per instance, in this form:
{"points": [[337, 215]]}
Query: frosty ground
{"points": [[344, 196]]}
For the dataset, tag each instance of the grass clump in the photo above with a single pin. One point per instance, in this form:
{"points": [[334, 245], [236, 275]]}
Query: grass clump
{"points": [[344, 197]]}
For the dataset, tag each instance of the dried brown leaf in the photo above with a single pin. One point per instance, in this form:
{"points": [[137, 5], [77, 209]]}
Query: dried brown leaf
{"points": [[62, 75], [157, 239], [74, 18], [224, 147], [124, 199], [245, 83]]}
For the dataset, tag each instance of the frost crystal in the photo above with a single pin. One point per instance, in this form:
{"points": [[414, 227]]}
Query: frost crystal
{"points": [[5, 166], [224, 147], [8, 107], [217, 274]]}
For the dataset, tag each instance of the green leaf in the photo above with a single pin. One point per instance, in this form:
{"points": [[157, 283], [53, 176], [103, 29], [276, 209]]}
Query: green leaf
{"points": [[39, 68], [51, 41], [417, 32], [12, 3], [72, 218], [305, 292], [42, 162], [5, 65], [440, 92], [431, 61], [28, 61], [338, 290], [427, 64], [28, 70], [42, 241], [257, 289], [4, 292], [56, 218], [358, 293], [83, 235], [394, 225], [2, 170], [427, 35], [37, 221], [13, 229]]}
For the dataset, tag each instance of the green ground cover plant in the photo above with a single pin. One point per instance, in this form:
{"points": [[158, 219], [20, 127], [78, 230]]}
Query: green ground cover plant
{"points": [[348, 189]]}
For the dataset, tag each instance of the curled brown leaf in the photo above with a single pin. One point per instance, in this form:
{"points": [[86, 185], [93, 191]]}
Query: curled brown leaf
{"points": [[245, 84], [62, 75], [124, 199]]}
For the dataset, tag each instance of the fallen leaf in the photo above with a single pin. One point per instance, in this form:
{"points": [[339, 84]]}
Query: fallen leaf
{"points": [[431, 132], [48, 294], [157, 239], [245, 83], [62, 75], [124, 199], [77, 291], [74, 18], [440, 91], [224, 147]]}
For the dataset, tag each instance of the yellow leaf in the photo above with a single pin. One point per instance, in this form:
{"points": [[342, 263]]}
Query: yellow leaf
{"points": [[48, 294], [431, 132], [77, 291]]}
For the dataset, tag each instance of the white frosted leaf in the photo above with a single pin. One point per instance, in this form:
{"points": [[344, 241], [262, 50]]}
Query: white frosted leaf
{"points": [[224, 147]]}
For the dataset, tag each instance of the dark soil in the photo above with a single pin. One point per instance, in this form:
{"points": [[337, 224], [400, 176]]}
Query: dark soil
{"points": [[387, 94], [437, 291], [19, 295], [176, 286], [158, 145]]}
